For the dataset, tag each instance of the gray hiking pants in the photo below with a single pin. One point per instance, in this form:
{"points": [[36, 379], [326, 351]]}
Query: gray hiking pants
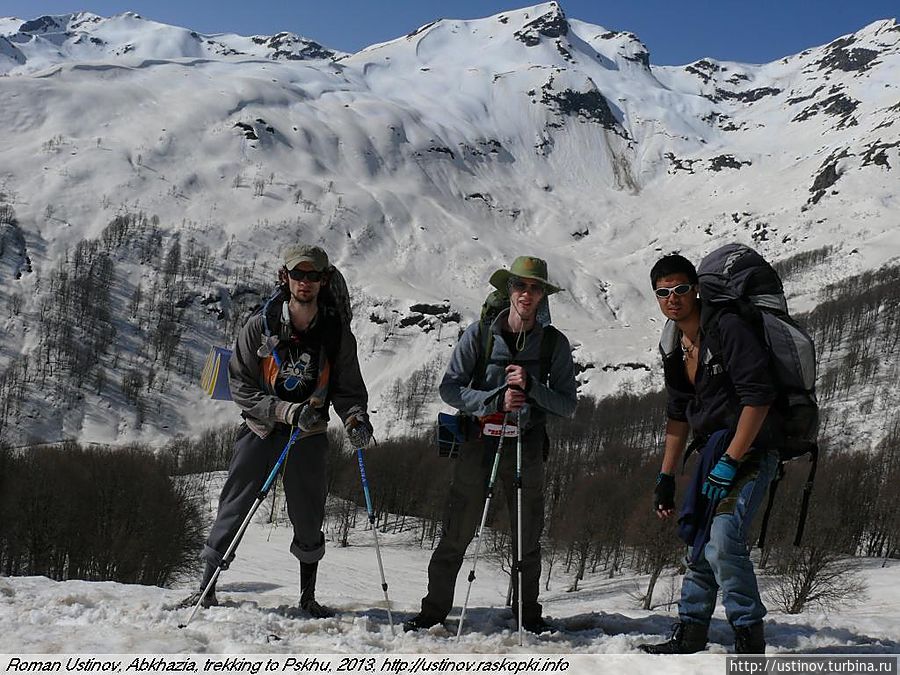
{"points": [[305, 486], [468, 492]]}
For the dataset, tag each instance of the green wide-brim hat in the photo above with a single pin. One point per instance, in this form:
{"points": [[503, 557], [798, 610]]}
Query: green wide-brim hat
{"points": [[525, 267]]}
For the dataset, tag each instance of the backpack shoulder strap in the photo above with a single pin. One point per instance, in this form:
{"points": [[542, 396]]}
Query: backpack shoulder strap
{"points": [[485, 346], [269, 310], [332, 329], [548, 346]]}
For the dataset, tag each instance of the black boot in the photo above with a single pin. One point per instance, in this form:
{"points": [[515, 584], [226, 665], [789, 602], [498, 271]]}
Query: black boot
{"points": [[749, 639], [536, 624], [687, 638], [210, 599], [421, 621], [308, 592]]}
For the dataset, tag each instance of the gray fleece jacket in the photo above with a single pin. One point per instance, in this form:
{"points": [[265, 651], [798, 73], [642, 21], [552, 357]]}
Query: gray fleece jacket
{"points": [[558, 397]]}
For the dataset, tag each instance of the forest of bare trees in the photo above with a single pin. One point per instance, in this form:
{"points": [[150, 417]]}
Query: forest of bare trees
{"points": [[117, 317], [72, 512]]}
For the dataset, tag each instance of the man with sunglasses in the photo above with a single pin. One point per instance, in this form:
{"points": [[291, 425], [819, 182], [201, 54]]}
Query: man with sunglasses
{"points": [[290, 362], [512, 388], [720, 389]]}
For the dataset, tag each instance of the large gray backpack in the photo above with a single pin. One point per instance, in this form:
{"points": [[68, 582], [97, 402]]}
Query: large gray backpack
{"points": [[736, 278]]}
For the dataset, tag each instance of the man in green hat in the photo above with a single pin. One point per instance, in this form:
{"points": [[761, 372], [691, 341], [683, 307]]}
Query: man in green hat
{"points": [[509, 368]]}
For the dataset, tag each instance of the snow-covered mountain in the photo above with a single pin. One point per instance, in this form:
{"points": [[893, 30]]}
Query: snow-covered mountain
{"points": [[421, 165], [30, 46]]}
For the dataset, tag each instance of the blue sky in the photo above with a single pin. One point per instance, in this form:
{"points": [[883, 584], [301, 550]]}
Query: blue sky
{"points": [[676, 32]]}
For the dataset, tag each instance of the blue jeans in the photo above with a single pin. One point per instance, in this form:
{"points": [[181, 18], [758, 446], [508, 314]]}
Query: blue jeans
{"points": [[725, 562]]}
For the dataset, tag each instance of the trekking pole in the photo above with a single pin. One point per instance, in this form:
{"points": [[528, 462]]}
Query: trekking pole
{"points": [[487, 504], [519, 518], [371, 511], [260, 498], [272, 512]]}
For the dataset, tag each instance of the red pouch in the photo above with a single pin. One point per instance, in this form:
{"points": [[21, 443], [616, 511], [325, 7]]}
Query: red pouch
{"points": [[492, 425]]}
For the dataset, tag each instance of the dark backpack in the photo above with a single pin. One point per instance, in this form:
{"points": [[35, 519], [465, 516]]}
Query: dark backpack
{"points": [[736, 278], [335, 294]]}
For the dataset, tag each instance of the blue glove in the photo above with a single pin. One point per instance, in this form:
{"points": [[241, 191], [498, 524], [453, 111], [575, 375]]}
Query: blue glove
{"points": [[721, 478]]}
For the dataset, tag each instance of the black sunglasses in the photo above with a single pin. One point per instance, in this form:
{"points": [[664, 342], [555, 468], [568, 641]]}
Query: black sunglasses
{"points": [[680, 289], [300, 275], [520, 285]]}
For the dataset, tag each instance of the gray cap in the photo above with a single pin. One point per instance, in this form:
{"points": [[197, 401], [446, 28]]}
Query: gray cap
{"points": [[298, 253]]}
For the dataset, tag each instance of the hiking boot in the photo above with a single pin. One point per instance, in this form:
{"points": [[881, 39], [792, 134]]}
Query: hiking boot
{"points": [[749, 639], [315, 610], [308, 573], [687, 638], [209, 601], [421, 621], [536, 625]]}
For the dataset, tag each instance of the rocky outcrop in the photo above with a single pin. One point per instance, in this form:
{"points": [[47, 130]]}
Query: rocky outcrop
{"points": [[290, 47], [553, 24], [838, 104], [841, 57], [828, 175]]}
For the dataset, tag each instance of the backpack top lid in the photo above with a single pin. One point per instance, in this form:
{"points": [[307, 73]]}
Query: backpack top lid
{"points": [[736, 271]]}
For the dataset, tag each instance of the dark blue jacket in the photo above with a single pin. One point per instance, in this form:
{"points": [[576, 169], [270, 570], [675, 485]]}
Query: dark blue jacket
{"points": [[734, 372], [697, 511]]}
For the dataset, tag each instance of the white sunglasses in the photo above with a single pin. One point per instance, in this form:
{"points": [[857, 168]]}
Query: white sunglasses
{"points": [[680, 289]]}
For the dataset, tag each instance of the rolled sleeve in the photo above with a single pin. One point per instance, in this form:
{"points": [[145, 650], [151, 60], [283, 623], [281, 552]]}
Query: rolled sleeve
{"points": [[677, 404]]}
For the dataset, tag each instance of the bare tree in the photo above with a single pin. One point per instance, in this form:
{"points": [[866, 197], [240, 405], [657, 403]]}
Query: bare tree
{"points": [[816, 576], [340, 516], [655, 544]]}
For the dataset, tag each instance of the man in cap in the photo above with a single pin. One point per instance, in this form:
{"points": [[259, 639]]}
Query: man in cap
{"points": [[290, 361], [495, 374]]}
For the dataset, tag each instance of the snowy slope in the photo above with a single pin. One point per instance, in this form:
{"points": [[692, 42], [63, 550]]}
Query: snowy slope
{"points": [[421, 165], [259, 615]]}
